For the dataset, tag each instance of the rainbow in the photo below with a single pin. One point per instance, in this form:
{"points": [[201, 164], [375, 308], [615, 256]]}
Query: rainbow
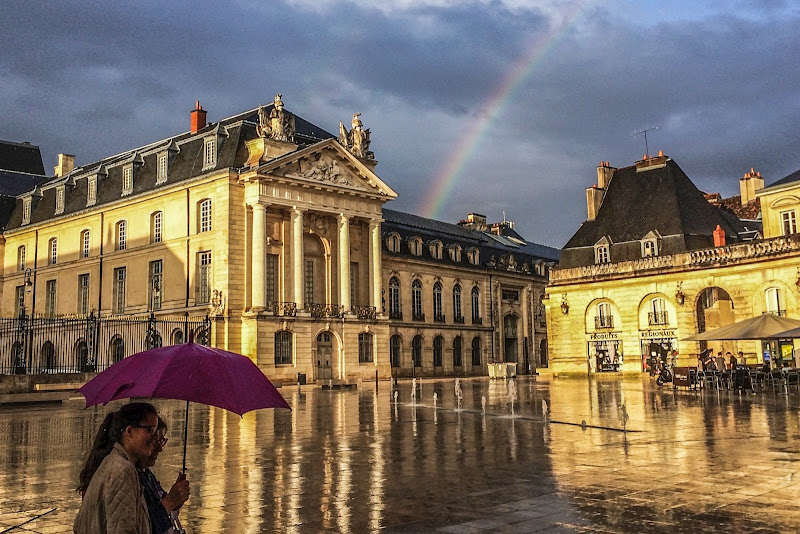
{"points": [[446, 177]]}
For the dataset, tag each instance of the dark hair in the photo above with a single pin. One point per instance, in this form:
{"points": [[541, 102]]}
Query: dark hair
{"points": [[109, 433]]}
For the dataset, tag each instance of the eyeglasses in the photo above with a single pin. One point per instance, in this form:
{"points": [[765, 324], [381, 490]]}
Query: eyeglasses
{"points": [[151, 429]]}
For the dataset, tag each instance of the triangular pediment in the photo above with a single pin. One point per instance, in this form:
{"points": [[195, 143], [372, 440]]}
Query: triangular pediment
{"points": [[329, 165]]}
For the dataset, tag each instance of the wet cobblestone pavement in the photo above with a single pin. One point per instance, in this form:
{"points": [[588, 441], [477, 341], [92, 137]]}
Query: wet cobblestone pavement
{"points": [[354, 461]]}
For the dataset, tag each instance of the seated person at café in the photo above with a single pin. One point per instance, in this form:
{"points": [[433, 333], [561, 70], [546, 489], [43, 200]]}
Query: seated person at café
{"points": [[732, 361]]}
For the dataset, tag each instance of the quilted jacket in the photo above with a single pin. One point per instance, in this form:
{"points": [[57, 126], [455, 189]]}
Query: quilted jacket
{"points": [[114, 501]]}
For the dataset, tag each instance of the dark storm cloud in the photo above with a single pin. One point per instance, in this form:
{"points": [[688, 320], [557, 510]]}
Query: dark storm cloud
{"points": [[97, 78]]}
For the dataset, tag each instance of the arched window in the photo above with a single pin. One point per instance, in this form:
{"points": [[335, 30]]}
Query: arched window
{"points": [[476, 351], [658, 312], [117, 349], [395, 311], [438, 349], [81, 352], [156, 227], [457, 315], [438, 313], [122, 235], [416, 301], [365, 347], [393, 243], [416, 351], [53, 248], [86, 243], [48, 356], [177, 336], [204, 215], [773, 301], [394, 350], [458, 357], [476, 305], [283, 347], [21, 258]]}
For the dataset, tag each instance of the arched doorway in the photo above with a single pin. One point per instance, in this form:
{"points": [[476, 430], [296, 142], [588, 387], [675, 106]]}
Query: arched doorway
{"points": [[713, 309], [314, 271], [324, 356], [510, 348]]}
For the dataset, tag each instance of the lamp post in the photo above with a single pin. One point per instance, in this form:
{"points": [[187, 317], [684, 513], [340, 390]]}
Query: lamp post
{"points": [[28, 285]]}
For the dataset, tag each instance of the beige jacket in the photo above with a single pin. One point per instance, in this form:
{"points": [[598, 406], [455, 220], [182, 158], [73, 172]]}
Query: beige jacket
{"points": [[114, 501]]}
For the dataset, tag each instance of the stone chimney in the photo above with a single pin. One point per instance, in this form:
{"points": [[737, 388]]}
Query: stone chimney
{"points": [[719, 237], [198, 117], [748, 185], [475, 221], [66, 162], [594, 194], [604, 173]]}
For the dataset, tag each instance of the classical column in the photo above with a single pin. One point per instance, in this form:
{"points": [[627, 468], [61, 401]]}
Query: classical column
{"points": [[297, 257], [344, 262], [525, 303], [258, 283], [375, 263]]}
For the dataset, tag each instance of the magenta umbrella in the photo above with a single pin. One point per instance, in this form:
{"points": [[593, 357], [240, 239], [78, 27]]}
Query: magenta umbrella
{"points": [[189, 372]]}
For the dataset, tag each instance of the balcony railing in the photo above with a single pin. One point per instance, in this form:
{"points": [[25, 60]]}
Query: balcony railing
{"points": [[398, 314], [477, 320], [438, 318], [325, 310], [366, 312], [282, 309], [417, 316], [604, 321], [657, 318], [458, 319]]}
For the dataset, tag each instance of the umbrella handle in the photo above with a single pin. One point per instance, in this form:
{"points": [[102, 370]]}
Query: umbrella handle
{"points": [[185, 434]]}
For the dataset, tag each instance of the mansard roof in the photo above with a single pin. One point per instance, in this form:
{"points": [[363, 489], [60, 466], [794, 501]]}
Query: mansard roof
{"points": [[186, 162], [792, 178], [489, 245], [24, 158], [660, 198]]}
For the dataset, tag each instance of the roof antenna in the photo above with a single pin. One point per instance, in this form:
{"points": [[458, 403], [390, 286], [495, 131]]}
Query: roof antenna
{"points": [[646, 147]]}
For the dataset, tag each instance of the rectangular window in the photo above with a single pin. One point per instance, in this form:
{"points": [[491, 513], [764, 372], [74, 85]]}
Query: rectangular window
{"points": [[271, 278], [122, 235], [26, 211], [210, 156], [602, 254], [119, 290], [788, 222], [156, 279], [85, 242], [21, 258], [60, 200], [204, 289], [354, 293], [162, 169], [127, 180], [309, 283], [205, 215], [365, 348], [83, 294], [157, 226], [91, 193], [19, 300], [50, 298], [283, 347]]}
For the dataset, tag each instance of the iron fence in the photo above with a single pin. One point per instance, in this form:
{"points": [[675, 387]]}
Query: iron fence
{"points": [[75, 344]]}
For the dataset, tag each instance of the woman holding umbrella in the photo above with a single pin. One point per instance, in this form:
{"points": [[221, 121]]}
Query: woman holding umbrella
{"points": [[113, 500]]}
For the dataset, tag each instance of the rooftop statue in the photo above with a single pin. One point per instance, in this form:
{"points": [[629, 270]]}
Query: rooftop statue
{"points": [[357, 139], [278, 124]]}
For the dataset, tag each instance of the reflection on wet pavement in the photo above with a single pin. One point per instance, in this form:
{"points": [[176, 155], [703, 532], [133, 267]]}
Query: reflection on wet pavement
{"points": [[356, 461]]}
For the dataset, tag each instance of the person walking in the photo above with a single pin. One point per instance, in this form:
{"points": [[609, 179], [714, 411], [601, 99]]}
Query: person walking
{"points": [[113, 498]]}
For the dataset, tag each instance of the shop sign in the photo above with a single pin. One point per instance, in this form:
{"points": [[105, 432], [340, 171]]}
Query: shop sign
{"points": [[600, 336], [658, 334]]}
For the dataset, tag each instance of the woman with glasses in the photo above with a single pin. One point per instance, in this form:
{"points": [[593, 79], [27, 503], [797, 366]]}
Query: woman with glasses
{"points": [[113, 498], [161, 505]]}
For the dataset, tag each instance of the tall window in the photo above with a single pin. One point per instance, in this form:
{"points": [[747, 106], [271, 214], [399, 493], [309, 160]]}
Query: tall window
{"points": [[458, 357], [204, 214], [122, 235], [83, 294], [85, 243], [658, 315], [50, 298], [120, 276], [355, 297], [438, 349], [117, 349], [395, 311], [19, 300], [271, 278], [394, 351], [457, 315], [416, 351], [210, 153], [204, 277], [26, 210], [59, 200], [649, 248], [156, 280], [476, 351], [601, 254], [476, 305], [416, 301], [53, 246], [393, 243], [604, 317], [365, 347], [283, 347], [788, 222], [438, 314], [91, 191], [127, 180], [162, 169], [772, 297], [309, 283], [21, 258], [156, 227]]}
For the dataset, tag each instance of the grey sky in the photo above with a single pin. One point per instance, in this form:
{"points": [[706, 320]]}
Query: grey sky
{"points": [[720, 78]]}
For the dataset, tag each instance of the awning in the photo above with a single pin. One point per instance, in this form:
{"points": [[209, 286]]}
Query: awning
{"points": [[766, 326]]}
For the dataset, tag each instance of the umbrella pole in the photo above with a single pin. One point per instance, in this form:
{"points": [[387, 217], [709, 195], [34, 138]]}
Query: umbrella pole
{"points": [[185, 435]]}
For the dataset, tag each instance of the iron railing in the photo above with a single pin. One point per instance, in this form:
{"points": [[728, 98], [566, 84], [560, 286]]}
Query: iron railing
{"points": [[366, 312], [604, 321], [396, 315], [282, 309], [325, 310], [658, 318], [75, 344]]}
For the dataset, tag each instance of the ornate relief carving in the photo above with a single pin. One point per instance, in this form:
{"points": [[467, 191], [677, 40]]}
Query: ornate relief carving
{"points": [[317, 223], [324, 169], [278, 124], [357, 139]]}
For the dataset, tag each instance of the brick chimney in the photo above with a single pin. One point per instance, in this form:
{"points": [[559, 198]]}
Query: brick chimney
{"points": [[198, 117], [719, 237], [748, 185], [66, 162]]}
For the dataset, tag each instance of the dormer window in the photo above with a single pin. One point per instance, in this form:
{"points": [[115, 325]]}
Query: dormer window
{"points": [[436, 250], [26, 210], [163, 164], [393, 243], [650, 244], [474, 256], [455, 253], [602, 251], [415, 246], [91, 192], [127, 179], [59, 200], [210, 153]]}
